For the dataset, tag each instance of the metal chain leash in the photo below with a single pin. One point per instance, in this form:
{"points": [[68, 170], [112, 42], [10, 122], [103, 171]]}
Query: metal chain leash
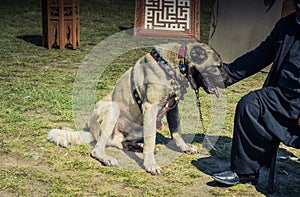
{"points": [[202, 123], [199, 109]]}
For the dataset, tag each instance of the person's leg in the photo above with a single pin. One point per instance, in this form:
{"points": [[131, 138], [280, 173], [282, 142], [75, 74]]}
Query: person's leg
{"points": [[253, 145]]}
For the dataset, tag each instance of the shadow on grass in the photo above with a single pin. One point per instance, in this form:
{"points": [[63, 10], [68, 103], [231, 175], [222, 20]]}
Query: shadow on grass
{"points": [[170, 150], [38, 41], [217, 159], [287, 178], [33, 39]]}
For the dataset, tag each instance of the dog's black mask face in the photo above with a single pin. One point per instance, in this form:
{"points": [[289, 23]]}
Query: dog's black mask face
{"points": [[197, 80], [201, 61], [197, 56], [194, 74]]}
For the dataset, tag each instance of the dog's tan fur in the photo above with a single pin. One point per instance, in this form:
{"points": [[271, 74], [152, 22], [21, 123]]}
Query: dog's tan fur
{"points": [[117, 118]]}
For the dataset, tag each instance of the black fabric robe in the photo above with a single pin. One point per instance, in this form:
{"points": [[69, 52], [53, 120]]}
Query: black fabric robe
{"points": [[273, 50], [264, 117]]}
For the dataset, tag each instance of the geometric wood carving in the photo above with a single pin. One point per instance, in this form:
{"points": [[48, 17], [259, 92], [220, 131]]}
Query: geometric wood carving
{"points": [[178, 19]]}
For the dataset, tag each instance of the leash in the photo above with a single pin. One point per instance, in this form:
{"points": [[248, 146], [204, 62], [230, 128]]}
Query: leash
{"points": [[199, 109], [218, 152], [183, 67]]}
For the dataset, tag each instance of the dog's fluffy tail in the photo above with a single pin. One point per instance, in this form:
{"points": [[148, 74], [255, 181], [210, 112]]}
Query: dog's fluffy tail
{"points": [[64, 137]]}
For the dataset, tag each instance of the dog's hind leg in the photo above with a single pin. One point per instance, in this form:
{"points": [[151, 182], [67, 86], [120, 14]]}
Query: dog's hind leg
{"points": [[102, 126]]}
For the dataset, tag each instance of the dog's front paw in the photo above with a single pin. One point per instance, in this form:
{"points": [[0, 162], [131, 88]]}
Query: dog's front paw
{"points": [[190, 149], [110, 162], [153, 169], [150, 164], [105, 159]]}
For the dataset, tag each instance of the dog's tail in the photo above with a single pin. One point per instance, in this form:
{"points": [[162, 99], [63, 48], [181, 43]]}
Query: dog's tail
{"points": [[64, 137]]}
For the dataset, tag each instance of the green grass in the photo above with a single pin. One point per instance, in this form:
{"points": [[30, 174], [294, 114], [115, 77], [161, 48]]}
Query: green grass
{"points": [[36, 87]]}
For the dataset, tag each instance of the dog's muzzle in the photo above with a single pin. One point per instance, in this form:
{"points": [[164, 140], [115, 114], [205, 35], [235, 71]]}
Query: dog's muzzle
{"points": [[198, 80]]}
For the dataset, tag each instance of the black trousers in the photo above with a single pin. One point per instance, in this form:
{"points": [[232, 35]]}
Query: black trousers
{"points": [[263, 119]]}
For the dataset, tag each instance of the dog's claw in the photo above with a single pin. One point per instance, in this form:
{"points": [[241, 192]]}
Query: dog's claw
{"points": [[105, 160], [154, 170], [191, 149], [111, 162]]}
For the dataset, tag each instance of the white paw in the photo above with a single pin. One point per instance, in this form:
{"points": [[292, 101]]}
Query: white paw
{"points": [[191, 149], [58, 137], [153, 169], [105, 159], [110, 162]]}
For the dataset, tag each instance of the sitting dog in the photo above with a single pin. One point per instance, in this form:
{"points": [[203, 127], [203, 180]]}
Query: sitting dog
{"points": [[151, 88]]}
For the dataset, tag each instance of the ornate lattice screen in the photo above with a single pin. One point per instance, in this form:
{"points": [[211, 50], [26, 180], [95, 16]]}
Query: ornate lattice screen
{"points": [[167, 18]]}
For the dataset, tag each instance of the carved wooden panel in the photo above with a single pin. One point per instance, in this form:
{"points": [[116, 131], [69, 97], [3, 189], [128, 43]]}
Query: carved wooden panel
{"points": [[167, 18], [61, 23]]}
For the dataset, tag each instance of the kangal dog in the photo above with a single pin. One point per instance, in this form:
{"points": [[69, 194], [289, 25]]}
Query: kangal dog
{"points": [[151, 88]]}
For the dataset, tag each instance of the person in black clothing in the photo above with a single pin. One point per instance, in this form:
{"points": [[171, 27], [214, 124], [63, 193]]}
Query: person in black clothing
{"points": [[270, 115]]}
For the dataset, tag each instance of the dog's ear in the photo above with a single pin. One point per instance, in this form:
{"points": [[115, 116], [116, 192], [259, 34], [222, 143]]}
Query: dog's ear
{"points": [[202, 54], [198, 55]]}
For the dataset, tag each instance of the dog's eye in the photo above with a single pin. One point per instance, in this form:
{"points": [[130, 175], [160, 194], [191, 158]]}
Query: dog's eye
{"points": [[198, 55]]}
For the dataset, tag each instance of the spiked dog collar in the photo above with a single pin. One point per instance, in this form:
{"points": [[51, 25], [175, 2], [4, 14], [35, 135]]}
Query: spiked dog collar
{"points": [[177, 81], [182, 63]]}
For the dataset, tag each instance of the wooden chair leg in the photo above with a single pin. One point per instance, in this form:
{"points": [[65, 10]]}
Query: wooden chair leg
{"points": [[78, 33], [270, 188]]}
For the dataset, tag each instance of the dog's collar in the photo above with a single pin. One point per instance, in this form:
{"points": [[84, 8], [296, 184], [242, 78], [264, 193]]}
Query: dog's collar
{"points": [[177, 82], [182, 63], [182, 60], [183, 67]]}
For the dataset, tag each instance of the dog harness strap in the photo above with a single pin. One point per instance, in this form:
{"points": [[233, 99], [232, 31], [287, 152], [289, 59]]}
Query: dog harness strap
{"points": [[135, 93], [162, 63], [166, 68], [155, 55], [137, 99]]}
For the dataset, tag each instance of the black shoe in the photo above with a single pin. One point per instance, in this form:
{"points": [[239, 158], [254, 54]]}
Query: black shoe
{"points": [[232, 178]]}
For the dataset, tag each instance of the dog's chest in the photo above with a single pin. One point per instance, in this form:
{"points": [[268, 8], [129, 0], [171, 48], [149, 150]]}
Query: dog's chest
{"points": [[178, 87]]}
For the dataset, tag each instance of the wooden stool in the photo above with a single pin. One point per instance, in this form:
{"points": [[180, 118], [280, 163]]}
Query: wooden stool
{"points": [[61, 24]]}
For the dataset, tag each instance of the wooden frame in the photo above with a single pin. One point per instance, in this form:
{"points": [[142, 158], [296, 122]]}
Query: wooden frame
{"points": [[189, 30]]}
